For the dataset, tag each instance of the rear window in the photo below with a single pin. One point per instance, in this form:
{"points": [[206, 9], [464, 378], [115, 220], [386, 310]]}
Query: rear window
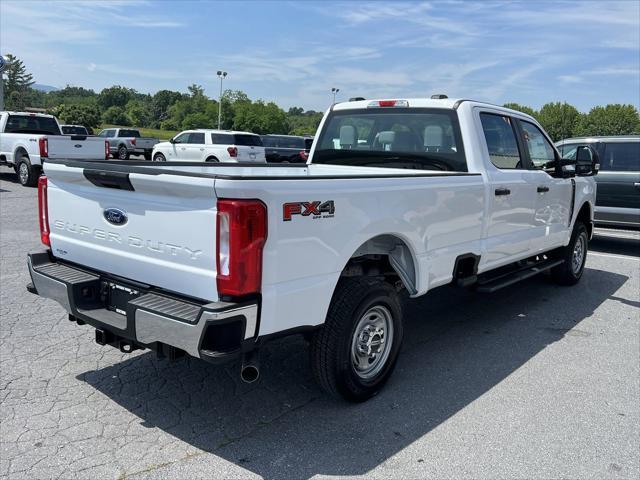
{"points": [[247, 140], [621, 157], [69, 130], [129, 133], [283, 142], [427, 139], [222, 139], [32, 124]]}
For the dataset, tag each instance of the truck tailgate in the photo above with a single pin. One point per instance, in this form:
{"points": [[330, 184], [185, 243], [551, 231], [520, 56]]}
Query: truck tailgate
{"points": [[156, 229], [76, 147]]}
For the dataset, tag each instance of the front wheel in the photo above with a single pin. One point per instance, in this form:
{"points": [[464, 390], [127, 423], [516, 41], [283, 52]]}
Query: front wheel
{"points": [[123, 153], [158, 157], [354, 353], [574, 255]]}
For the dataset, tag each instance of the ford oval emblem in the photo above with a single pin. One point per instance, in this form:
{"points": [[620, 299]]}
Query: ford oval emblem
{"points": [[78, 145], [115, 216]]}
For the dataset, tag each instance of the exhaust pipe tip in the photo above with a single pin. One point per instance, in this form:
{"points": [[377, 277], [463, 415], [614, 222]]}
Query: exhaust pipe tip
{"points": [[249, 373]]}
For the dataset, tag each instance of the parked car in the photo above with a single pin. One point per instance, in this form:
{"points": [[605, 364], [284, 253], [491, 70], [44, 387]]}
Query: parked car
{"points": [[286, 148], [618, 199], [214, 260], [124, 142], [27, 139], [211, 146], [74, 130]]}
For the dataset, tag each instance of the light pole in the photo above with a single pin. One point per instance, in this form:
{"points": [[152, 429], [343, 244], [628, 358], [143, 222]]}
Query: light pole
{"points": [[334, 90], [221, 74], [4, 63]]}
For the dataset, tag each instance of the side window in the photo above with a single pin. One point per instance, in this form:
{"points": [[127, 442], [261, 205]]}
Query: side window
{"points": [[540, 150], [103, 133], [182, 138], [221, 139], [197, 138], [501, 141], [111, 133], [621, 157]]}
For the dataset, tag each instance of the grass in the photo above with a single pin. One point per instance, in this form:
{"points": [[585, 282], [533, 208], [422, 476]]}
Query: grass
{"points": [[146, 132]]}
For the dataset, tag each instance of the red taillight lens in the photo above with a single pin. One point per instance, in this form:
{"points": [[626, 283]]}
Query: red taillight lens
{"points": [[43, 210], [241, 235], [233, 151], [43, 143], [106, 150], [133, 142], [304, 155]]}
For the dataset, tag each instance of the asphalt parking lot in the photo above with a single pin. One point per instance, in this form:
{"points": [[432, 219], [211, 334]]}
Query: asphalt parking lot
{"points": [[535, 381]]}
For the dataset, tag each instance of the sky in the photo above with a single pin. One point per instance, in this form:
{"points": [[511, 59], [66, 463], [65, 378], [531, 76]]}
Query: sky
{"points": [[293, 53]]}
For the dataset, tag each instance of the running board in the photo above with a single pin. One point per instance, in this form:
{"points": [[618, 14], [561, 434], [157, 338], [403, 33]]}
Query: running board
{"points": [[490, 285]]}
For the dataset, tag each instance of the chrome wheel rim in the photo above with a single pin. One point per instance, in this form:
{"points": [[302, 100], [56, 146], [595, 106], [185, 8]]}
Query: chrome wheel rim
{"points": [[371, 342], [23, 172], [579, 252], [158, 158], [122, 154]]}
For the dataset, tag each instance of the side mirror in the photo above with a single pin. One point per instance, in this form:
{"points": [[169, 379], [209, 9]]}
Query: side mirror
{"points": [[172, 140], [587, 161]]}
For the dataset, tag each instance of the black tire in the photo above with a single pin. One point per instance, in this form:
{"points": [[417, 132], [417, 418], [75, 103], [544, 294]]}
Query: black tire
{"points": [[123, 153], [574, 256], [27, 174], [212, 160], [147, 155], [158, 157], [333, 345]]}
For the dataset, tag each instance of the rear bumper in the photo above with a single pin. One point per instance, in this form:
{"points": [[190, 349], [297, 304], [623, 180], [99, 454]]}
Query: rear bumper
{"points": [[215, 332]]}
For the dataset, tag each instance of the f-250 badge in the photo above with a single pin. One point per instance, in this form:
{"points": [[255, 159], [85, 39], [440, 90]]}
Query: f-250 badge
{"points": [[316, 209]]}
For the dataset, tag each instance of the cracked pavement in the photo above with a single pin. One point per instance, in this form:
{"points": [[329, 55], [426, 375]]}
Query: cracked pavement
{"points": [[535, 381]]}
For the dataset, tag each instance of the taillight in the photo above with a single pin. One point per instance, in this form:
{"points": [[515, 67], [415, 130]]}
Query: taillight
{"points": [[133, 142], [106, 150], [43, 210], [43, 143], [233, 151], [388, 103], [304, 155], [242, 233]]}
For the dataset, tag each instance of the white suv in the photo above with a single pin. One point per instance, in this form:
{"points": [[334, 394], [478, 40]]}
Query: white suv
{"points": [[211, 146]]}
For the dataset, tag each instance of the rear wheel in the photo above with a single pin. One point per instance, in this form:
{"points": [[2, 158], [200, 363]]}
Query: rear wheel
{"points": [[354, 353], [212, 160], [27, 174], [158, 157], [574, 256]]}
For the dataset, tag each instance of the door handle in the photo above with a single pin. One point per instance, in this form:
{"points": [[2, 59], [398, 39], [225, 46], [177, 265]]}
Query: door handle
{"points": [[543, 189], [184, 148], [637, 185], [202, 149], [502, 191]]}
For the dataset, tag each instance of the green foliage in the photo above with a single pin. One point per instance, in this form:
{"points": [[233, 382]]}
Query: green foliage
{"points": [[613, 119], [521, 108], [138, 112], [559, 120], [259, 117], [115, 96], [197, 120], [117, 116], [17, 84], [85, 115], [303, 123], [160, 104]]}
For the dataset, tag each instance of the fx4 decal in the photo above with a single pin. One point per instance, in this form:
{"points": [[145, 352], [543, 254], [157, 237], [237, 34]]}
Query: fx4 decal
{"points": [[316, 209]]}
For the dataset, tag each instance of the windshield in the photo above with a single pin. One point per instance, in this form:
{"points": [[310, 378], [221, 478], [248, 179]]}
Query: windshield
{"points": [[422, 138], [274, 141], [32, 124]]}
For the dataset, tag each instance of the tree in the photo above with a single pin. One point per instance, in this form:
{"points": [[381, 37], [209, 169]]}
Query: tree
{"points": [[138, 112], [116, 116], [521, 108], [85, 115], [17, 85], [558, 119], [613, 119], [115, 96], [259, 117], [197, 120], [160, 104], [295, 111]]}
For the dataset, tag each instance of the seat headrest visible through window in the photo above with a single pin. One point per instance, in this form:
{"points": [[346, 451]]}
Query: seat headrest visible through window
{"points": [[348, 137], [433, 135]]}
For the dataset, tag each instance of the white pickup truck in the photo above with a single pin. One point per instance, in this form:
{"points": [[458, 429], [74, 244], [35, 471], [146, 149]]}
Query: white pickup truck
{"points": [[27, 139], [213, 260]]}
